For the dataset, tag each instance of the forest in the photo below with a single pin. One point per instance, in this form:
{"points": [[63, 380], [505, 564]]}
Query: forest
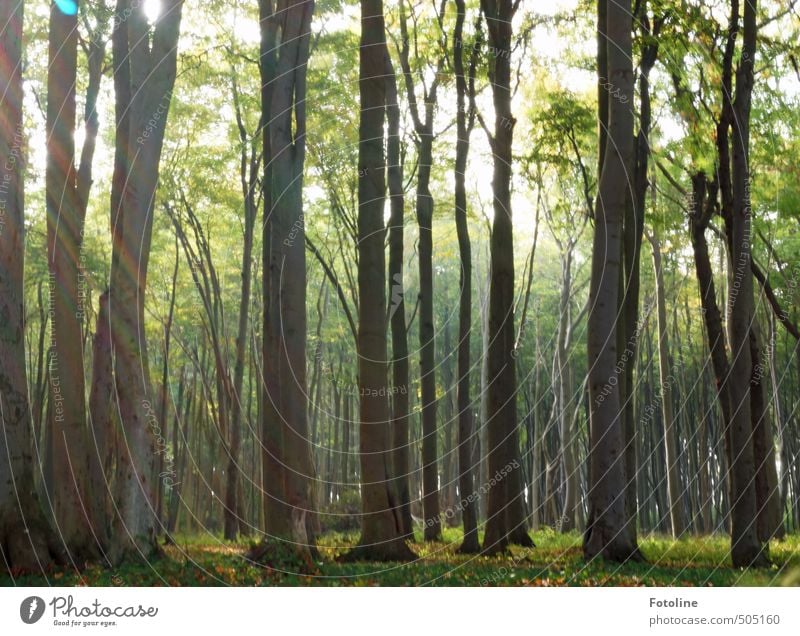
{"points": [[400, 292]]}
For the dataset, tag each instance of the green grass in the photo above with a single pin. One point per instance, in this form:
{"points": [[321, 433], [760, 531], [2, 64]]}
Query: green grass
{"points": [[557, 560]]}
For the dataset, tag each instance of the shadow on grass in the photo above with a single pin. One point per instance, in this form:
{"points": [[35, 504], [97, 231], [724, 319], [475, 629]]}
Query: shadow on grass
{"points": [[556, 561]]}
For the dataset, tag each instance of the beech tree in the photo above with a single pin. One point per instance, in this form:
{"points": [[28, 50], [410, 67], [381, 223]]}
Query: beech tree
{"points": [[649, 30], [288, 473], [423, 120], [465, 122], [382, 537], [145, 61], [75, 477], [26, 539], [397, 306], [674, 487], [506, 519], [746, 547], [678, 417], [605, 530]]}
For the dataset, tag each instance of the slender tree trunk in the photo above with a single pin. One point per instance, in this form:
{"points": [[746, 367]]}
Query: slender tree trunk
{"points": [[466, 430], [397, 308], [483, 429], [767, 490], [163, 415], [674, 487], [632, 238], [779, 428], [746, 549], [347, 418], [424, 210], [180, 432], [563, 391], [430, 454], [248, 174], [703, 204], [336, 453], [381, 530], [41, 371], [507, 521], [705, 458]]}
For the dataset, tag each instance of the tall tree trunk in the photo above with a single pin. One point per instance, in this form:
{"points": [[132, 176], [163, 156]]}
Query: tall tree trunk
{"points": [[287, 145], [249, 167], [77, 510], [507, 521], [482, 474], [397, 308], [276, 515], [147, 77], [633, 229], [606, 528], [466, 430], [163, 415], [424, 208], [27, 543], [703, 205], [101, 400], [381, 529], [746, 549], [563, 390]]}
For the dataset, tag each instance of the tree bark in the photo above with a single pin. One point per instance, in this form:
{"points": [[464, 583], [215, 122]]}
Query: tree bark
{"points": [[163, 415], [381, 531], [781, 451], [276, 515], [633, 229], [605, 533], [77, 510], [397, 308], [148, 71], [507, 521], [562, 391], [291, 499], [769, 521], [27, 542], [424, 210], [464, 123], [250, 164], [746, 549], [674, 487]]}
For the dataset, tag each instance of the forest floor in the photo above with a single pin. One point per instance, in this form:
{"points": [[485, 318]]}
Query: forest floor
{"points": [[557, 560]]}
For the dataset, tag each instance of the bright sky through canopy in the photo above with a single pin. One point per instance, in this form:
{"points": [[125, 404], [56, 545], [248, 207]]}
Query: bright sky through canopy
{"points": [[152, 8]]}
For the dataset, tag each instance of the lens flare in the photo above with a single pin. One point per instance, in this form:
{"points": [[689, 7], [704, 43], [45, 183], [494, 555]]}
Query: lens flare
{"points": [[67, 7]]}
